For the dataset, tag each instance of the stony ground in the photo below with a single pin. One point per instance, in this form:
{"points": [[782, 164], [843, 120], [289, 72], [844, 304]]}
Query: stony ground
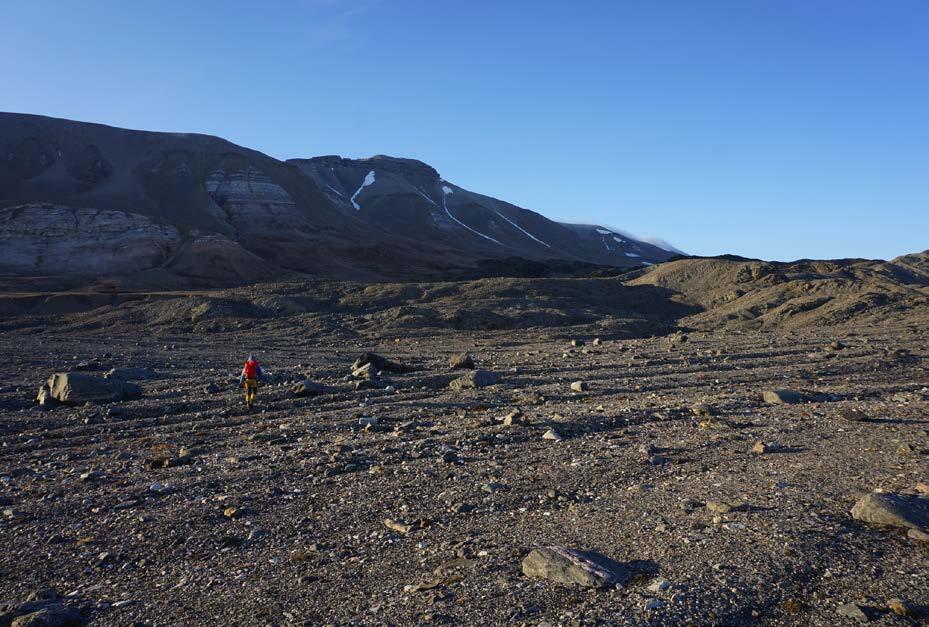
{"points": [[276, 516]]}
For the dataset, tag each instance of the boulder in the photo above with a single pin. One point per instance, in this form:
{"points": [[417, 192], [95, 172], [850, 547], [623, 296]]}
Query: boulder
{"points": [[380, 363], [54, 615], [782, 397], [474, 379], [129, 374], [367, 371], [308, 388], [74, 389], [572, 567], [461, 360], [893, 510]]}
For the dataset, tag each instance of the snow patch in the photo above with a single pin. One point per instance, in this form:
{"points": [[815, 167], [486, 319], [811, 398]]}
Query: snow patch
{"points": [[334, 189], [369, 180], [446, 190], [424, 195], [604, 232], [621, 241], [522, 230], [632, 255]]}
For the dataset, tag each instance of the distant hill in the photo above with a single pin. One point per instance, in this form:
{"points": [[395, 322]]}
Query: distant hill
{"points": [[85, 202]]}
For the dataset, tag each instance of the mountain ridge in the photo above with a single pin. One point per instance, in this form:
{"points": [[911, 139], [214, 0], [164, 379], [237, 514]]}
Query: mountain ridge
{"points": [[210, 205]]}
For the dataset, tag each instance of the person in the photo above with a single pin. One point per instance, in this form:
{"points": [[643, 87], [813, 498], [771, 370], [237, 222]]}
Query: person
{"points": [[251, 375]]}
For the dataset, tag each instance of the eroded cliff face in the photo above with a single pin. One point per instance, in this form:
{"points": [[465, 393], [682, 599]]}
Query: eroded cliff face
{"points": [[251, 201], [51, 238]]}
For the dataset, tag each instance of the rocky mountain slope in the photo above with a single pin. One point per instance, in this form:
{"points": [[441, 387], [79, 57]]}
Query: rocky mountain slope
{"points": [[751, 294], [170, 209]]}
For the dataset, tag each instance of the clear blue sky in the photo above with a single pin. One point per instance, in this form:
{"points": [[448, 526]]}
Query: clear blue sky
{"points": [[777, 129]]}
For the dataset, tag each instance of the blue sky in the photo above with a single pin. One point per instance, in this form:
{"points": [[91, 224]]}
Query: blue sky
{"points": [[776, 129]]}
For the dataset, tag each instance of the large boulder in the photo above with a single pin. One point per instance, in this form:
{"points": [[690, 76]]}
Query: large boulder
{"points": [[474, 379], [572, 567], [380, 363], [893, 510], [74, 388]]}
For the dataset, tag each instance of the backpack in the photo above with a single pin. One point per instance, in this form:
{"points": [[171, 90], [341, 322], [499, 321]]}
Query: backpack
{"points": [[251, 370]]}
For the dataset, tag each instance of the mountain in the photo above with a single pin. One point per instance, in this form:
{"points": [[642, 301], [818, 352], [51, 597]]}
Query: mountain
{"points": [[85, 201]]}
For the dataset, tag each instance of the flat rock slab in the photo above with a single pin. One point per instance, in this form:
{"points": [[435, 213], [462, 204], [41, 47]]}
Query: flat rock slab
{"points": [[572, 567], [893, 510], [75, 388]]}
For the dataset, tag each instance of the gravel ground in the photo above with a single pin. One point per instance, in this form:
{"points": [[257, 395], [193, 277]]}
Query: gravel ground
{"points": [[276, 516]]}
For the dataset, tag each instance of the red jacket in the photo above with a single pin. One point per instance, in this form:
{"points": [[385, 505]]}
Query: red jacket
{"points": [[251, 370]]}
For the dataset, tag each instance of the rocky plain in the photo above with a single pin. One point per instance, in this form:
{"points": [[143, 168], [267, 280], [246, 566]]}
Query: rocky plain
{"points": [[707, 442]]}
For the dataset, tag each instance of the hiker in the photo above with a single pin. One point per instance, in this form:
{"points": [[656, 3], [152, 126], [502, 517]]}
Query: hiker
{"points": [[251, 375]]}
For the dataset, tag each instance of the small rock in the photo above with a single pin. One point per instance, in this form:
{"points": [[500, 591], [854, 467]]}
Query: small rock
{"points": [[853, 415], [474, 379], [397, 525], [596, 341], [232, 512], [659, 585], [853, 611], [129, 374], [580, 386], [515, 417], [901, 608], [577, 343], [572, 567], [367, 421], [91, 475], [654, 604], [703, 411], [461, 360], [761, 448], [308, 388], [551, 434], [718, 507], [161, 488]]}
